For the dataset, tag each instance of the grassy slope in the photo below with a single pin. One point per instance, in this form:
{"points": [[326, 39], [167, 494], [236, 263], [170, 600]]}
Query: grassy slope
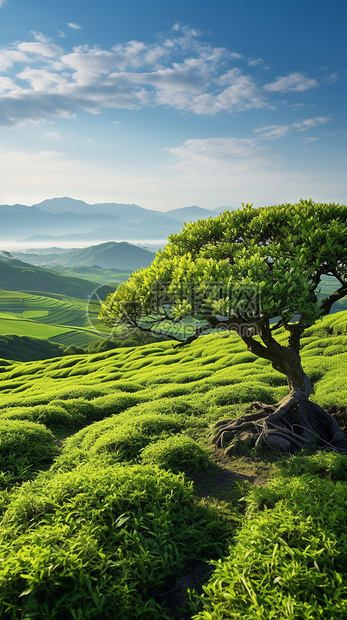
{"points": [[18, 276], [121, 255], [26, 348], [84, 557], [110, 277], [61, 319]]}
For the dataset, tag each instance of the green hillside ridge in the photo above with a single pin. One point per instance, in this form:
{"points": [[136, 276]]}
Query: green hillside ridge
{"points": [[98, 522], [110, 277], [61, 319], [18, 276], [120, 255], [26, 348]]}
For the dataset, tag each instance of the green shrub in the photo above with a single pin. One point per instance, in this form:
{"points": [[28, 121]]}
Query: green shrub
{"points": [[116, 402], [116, 439], [321, 464], [5, 362], [289, 559], [334, 349], [171, 390], [73, 350], [185, 405], [102, 543], [25, 448], [50, 415], [240, 393], [178, 454]]}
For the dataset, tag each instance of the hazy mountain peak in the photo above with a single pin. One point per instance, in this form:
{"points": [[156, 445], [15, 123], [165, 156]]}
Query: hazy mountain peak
{"points": [[69, 220]]}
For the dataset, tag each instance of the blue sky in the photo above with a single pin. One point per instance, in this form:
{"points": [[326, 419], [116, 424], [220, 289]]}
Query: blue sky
{"points": [[169, 104]]}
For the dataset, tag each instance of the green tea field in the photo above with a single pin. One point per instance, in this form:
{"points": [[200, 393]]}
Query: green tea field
{"points": [[61, 319], [115, 504]]}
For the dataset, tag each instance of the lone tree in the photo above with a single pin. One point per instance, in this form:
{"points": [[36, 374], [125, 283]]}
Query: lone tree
{"points": [[252, 271]]}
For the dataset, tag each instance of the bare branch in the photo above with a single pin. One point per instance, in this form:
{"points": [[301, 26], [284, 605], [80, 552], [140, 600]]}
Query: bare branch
{"points": [[326, 304], [193, 337]]}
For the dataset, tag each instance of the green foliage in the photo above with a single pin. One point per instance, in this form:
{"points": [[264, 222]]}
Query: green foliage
{"points": [[103, 530], [206, 270], [323, 464], [241, 393], [133, 338], [289, 560], [73, 350], [25, 448], [118, 438], [52, 414], [100, 539], [25, 348], [178, 454]]}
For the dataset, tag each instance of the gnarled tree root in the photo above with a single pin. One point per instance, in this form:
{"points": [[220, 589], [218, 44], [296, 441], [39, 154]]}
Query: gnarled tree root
{"points": [[293, 424]]}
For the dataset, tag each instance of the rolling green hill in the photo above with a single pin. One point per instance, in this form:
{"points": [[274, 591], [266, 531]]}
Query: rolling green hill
{"points": [[110, 277], [25, 348], [126, 505], [58, 318], [18, 276], [120, 255]]}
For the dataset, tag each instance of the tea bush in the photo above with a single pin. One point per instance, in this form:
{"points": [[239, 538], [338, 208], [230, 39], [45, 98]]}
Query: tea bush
{"points": [[117, 439], [50, 415], [102, 541], [290, 556], [25, 448], [178, 454]]}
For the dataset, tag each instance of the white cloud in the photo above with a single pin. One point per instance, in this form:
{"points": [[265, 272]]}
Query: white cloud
{"points": [[6, 84], [312, 122], [2, 2], [74, 26], [179, 71], [332, 78], [278, 131], [294, 82], [254, 62], [45, 50], [309, 140], [211, 155], [9, 57], [39, 36], [273, 131]]}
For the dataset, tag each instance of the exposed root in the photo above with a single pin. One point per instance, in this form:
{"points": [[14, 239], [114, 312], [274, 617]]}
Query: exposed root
{"points": [[293, 424]]}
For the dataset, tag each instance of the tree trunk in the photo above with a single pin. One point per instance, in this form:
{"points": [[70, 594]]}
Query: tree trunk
{"points": [[293, 423]]}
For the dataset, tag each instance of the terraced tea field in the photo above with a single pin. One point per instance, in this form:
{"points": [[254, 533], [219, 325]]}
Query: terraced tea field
{"points": [[62, 319]]}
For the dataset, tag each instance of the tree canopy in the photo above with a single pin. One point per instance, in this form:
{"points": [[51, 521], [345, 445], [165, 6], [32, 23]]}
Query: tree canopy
{"points": [[251, 270], [243, 268]]}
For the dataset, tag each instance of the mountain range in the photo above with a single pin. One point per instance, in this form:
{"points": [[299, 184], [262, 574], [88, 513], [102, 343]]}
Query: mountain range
{"points": [[69, 220]]}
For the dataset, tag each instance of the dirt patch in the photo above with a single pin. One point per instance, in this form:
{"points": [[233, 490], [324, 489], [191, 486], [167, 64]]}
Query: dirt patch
{"points": [[175, 598], [221, 481]]}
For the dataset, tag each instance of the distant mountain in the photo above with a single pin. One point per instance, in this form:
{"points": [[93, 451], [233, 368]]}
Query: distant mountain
{"points": [[66, 219], [109, 256], [18, 276], [128, 212]]}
